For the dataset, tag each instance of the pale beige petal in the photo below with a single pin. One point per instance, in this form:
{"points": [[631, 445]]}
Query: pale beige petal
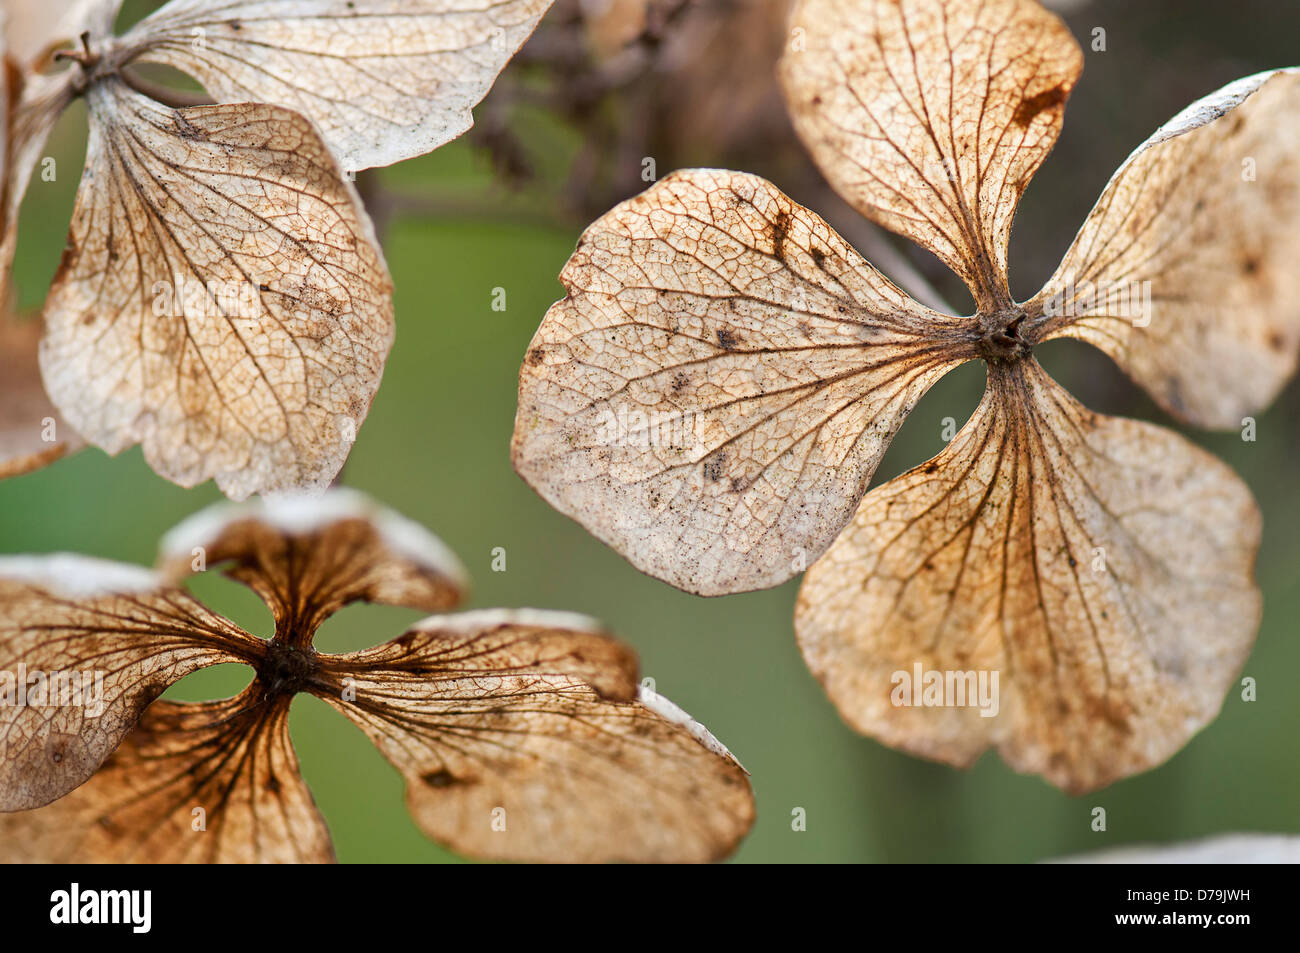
{"points": [[216, 782], [1103, 567], [34, 28], [222, 300], [105, 640], [32, 101], [308, 556], [32, 434], [1218, 849], [384, 80], [712, 396], [1185, 272], [35, 104], [522, 736], [931, 116]]}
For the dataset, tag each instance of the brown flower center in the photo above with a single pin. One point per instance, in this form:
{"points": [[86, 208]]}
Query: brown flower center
{"points": [[285, 669], [1000, 339], [89, 58]]}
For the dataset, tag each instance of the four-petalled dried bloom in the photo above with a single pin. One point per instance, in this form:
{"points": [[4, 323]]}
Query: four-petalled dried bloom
{"points": [[725, 373], [222, 299], [522, 735]]}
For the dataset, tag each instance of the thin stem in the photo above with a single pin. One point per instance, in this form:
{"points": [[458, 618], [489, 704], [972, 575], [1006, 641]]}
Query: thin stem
{"points": [[172, 98]]}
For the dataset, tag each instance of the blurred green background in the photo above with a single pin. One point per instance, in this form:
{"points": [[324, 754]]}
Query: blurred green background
{"points": [[436, 448]]}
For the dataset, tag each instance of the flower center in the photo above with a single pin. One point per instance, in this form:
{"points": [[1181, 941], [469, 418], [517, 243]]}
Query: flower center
{"points": [[88, 58], [1000, 340], [285, 669]]}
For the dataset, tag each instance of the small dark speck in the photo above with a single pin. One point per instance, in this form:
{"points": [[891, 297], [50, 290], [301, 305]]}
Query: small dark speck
{"points": [[714, 465], [439, 779], [536, 356], [1174, 394], [780, 232], [728, 339], [184, 128]]}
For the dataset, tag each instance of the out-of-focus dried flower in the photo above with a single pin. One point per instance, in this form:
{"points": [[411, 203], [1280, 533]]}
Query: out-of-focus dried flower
{"points": [[522, 735], [222, 299]]}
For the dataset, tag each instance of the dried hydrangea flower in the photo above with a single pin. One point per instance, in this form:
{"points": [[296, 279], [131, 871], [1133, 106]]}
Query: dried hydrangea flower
{"points": [[222, 300], [521, 735], [715, 391]]}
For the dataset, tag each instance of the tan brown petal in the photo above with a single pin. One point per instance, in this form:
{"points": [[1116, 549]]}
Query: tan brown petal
{"points": [[610, 26], [1102, 567], [931, 116], [7, 81], [1185, 272], [307, 557], [222, 300], [85, 646], [384, 80], [522, 737], [714, 393], [32, 434], [216, 782]]}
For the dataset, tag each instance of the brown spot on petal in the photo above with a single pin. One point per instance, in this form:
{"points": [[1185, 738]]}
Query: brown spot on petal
{"points": [[1029, 109], [440, 779]]}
